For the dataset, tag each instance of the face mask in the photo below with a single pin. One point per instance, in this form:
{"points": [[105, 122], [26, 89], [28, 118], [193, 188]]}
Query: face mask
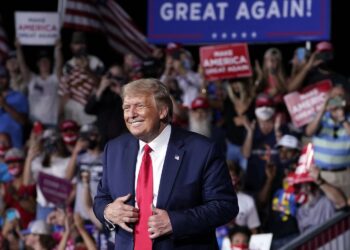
{"points": [[241, 246], [70, 138], [15, 171], [301, 198], [92, 144]]}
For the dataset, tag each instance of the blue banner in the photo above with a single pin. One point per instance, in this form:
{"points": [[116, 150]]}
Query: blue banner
{"points": [[251, 21]]}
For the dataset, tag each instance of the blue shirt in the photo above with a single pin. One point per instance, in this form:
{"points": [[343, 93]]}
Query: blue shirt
{"points": [[4, 174], [332, 144], [7, 124]]}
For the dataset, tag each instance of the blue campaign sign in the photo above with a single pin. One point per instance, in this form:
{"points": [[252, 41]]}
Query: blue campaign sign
{"points": [[251, 21]]}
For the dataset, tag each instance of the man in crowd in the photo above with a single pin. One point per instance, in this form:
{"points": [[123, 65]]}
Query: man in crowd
{"points": [[200, 121]]}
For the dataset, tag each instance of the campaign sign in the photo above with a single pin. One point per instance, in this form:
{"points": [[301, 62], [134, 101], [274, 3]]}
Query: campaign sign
{"points": [[225, 61], [225, 21], [260, 241], [54, 189], [304, 105], [37, 28]]}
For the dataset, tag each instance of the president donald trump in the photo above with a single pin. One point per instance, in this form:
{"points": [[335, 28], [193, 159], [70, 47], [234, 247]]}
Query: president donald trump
{"points": [[162, 187]]}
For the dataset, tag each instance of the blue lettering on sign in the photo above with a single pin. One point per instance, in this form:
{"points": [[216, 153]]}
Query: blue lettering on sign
{"points": [[252, 21]]}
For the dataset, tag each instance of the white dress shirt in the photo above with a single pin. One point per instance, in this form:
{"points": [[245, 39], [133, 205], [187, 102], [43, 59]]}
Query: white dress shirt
{"points": [[159, 147]]}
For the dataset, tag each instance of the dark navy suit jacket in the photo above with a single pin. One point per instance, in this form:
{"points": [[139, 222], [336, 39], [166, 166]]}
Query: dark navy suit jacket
{"points": [[195, 189]]}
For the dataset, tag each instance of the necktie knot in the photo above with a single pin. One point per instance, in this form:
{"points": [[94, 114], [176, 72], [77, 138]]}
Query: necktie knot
{"points": [[147, 149]]}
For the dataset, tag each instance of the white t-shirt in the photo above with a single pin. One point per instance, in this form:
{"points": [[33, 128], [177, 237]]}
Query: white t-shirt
{"points": [[43, 99], [248, 215], [58, 168]]}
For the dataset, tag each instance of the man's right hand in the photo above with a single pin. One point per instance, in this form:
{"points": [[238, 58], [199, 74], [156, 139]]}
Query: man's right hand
{"points": [[120, 213]]}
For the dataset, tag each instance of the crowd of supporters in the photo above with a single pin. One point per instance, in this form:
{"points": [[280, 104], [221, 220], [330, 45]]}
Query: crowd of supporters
{"points": [[56, 121]]}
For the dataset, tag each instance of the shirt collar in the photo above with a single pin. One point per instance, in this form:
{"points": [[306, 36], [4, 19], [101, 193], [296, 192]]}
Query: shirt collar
{"points": [[159, 142]]}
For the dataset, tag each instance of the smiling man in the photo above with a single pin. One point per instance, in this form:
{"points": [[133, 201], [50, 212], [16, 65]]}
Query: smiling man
{"points": [[162, 187]]}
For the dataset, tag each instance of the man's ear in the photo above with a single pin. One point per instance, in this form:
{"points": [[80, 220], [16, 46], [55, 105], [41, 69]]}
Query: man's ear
{"points": [[163, 113]]}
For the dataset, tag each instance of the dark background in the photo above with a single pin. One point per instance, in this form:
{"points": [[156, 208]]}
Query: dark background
{"points": [[138, 11]]}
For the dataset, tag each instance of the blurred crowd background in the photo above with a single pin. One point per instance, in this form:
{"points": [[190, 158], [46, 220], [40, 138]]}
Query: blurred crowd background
{"points": [[60, 105]]}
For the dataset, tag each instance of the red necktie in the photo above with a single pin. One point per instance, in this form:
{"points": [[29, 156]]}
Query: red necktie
{"points": [[144, 198]]}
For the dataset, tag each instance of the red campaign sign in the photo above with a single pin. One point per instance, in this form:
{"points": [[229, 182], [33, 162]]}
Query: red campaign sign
{"points": [[225, 61], [54, 189], [302, 106]]}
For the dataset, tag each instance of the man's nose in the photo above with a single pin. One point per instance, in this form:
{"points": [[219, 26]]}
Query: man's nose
{"points": [[132, 111]]}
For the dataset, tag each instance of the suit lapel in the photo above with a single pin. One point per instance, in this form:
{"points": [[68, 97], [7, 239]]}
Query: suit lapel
{"points": [[172, 163], [130, 158]]}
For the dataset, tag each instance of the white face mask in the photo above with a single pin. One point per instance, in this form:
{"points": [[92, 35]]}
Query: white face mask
{"points": [[264, 113]]}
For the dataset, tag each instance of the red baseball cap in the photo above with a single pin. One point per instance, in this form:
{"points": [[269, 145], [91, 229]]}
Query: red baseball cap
{"points": [[200, 103], [69, 124], [324, 46], [263, 100], [172, 47]]}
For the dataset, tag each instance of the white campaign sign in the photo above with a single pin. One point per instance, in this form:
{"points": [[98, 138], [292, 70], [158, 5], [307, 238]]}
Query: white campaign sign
{"points": [[37, 28]]}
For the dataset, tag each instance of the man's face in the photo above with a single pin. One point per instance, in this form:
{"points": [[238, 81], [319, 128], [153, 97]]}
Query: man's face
{"points": [[142, 116], [199, 114], [44, 64], [266, 126], [77, 47], [200, 121], [286, 153], [337, 113]]}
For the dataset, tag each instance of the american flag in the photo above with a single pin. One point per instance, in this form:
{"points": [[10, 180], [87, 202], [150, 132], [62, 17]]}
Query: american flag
{"points": [[4, 48], [106, 16]]}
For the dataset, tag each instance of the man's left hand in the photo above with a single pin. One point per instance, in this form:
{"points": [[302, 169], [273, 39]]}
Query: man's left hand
{"points": [[159, 223]]}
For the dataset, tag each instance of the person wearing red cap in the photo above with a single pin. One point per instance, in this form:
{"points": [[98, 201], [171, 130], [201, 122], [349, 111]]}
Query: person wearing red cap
{"points": [[70, 132], [259, 146], [318, 68], [319, 199], [200, 121], [18, 193]]}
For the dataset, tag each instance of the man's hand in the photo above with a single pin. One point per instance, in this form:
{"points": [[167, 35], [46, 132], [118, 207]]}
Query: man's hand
{"points": [[159, 223], [120, 213]]}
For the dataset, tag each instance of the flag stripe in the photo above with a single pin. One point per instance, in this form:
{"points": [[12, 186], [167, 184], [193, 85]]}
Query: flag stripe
{"points": [[108, 17], [4, 48], [117, 30], [82, 21], [129, 33], [120, 13]]}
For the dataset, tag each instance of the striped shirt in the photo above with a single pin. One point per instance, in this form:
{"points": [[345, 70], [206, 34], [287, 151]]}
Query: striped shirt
{"points": [[78, 84], [332, 145]]}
